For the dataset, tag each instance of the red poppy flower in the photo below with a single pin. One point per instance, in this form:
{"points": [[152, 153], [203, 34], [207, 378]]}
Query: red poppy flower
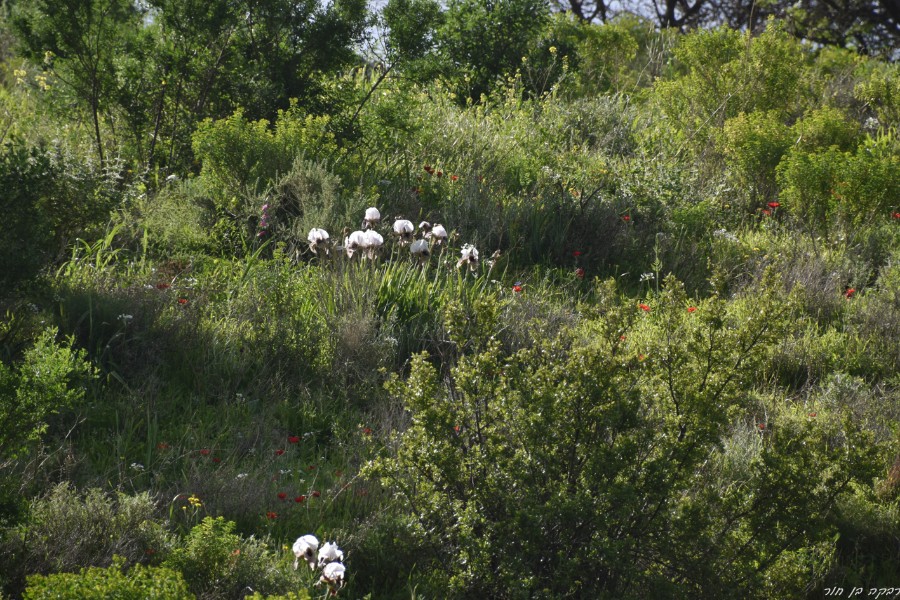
{"points": [[279, 452], [813, 414], [579, 273], [517, 288], [454, 178], [367, 431], [622, 338], [182, 301], [577, 253], [896, 215], [271, 515], [773, 204], [641, 357], [162, 446], [456, 428], [626, 218], [311, 468], [440, 173], [204, 452], [236, 552], [217, 460], [316, 493], [692, 309], [299, 499], [428, 169], [849, 293], [766, 212], [282, 495], [294, 439], [761, 426], [162, 286], [644, 307]]}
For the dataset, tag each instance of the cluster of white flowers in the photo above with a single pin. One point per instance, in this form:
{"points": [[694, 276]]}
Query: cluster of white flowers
{"points": [[368, 241], [330, 559], [724, 233]]}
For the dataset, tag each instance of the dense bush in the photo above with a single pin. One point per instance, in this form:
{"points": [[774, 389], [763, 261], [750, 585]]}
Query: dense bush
{"points": [[592, 464], [50, 198], [239, 154], [217, 563], [67, 529], [176, 222], [754, 144], [51, 378], [723, 73], [832, 192], [137, 583]]}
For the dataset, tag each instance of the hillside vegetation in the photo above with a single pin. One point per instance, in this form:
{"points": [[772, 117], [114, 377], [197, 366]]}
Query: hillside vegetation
{"points": [[670, 371]]}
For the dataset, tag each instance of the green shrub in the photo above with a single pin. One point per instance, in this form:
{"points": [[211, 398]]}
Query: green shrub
{"points": [[605, 55], [875, 318], [52, 377], [811, 354], [307, 196], [295, 337], [585, 60], [753, 145], [819, 276], [709, 64], [49, 199], [881, 92], [534, 179], [808, 183], [867, 554], [582, 465], [218, 563], [110, 583], [242, 161], [67, 529], [726, 73], [176, 221], [832, 192], [239, 155], [822, 128], [26, 238]]}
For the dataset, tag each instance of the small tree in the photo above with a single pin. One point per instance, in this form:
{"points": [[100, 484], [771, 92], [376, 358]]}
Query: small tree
{"points": [[81, 40], [479, 42]]}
